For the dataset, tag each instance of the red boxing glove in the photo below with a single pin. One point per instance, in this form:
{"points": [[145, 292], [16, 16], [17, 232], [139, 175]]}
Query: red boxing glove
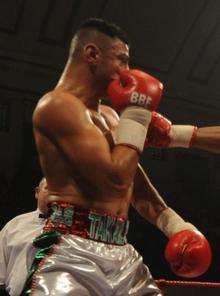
{"points": [[158, 134], [188, 253], [135, 88], [162, 134]]}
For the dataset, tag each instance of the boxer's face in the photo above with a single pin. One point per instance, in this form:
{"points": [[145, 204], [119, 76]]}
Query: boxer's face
{"points": [[107, 61], [114, 60]]}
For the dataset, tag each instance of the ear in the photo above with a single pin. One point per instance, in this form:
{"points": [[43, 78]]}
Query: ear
{"points": [[92, 53]]}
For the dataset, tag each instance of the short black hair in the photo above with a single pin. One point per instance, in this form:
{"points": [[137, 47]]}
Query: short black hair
{"points": [[108, 28]]}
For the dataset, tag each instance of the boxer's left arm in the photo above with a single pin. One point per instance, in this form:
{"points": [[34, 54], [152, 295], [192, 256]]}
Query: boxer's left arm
{"points": [[188, 251], [146, 199]]}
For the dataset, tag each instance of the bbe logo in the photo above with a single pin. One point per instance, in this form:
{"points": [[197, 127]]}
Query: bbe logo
{"points": [[140, 99]]}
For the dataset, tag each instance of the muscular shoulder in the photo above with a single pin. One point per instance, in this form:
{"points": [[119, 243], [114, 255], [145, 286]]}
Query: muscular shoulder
{"points": [[56, 101], [57, 108]]}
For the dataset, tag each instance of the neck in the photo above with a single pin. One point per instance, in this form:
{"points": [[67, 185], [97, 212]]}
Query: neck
{"points": [[77, 79]]}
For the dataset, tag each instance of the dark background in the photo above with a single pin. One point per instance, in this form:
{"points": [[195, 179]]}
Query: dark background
{"points": [[178, 42]]}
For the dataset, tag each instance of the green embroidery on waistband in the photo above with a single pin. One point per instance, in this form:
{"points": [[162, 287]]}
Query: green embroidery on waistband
{"points": [[62, 215], [68, 216], [108, 229], [101, 227], [95, 219], [118, 235]]}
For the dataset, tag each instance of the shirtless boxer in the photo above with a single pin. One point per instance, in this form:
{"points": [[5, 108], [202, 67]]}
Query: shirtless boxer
{"points": [[90, 180]]}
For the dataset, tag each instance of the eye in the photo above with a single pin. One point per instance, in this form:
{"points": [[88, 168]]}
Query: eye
{"points": [[124, 60]]}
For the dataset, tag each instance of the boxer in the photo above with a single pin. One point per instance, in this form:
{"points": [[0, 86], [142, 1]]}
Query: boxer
{"points": [[90, 181], [83, 249]]}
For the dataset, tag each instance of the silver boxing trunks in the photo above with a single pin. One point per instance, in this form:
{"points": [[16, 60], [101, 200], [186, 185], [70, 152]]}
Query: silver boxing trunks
{"points": [[82, 252]]}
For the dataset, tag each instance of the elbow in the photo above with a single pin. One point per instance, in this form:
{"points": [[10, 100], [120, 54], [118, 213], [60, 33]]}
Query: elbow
{"points": [[120, 184], [120, 181]]}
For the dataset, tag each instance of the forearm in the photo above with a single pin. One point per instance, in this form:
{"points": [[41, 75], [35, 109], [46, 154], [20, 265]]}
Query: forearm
{"points": [[124, 163], [146, 199], [153, 208], [207, 138], [130, 136]]}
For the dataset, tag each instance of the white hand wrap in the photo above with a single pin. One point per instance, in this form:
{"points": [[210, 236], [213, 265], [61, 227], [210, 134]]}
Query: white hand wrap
{"points": [[169, 222], [133, 126], [181, 135]]}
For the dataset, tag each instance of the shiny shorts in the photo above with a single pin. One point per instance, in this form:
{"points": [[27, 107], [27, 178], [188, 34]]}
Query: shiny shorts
{"points": [[82, 267], [86, 253]]}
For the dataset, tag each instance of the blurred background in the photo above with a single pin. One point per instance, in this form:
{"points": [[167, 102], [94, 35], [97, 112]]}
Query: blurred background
{"points": [[178, 42]]}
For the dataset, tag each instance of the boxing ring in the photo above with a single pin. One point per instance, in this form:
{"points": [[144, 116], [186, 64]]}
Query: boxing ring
{"points": [[189, 288]]}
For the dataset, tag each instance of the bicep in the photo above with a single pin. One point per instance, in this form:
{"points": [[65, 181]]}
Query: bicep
{"points": [[90, 154], [80, 142], [85, 148]]}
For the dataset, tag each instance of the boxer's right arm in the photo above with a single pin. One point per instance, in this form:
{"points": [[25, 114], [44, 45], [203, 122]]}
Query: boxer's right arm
{"points": [[136, 94], [66, 122]]}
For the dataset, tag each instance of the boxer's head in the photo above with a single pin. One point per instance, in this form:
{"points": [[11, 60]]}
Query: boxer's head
{"points": [[102, 47], [41, 193]]}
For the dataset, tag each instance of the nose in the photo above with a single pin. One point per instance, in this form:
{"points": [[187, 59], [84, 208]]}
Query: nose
{"points": [[124, 67]]}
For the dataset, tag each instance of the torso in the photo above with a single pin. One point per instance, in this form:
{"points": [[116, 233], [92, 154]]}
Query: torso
{"points": [[66, 184]]}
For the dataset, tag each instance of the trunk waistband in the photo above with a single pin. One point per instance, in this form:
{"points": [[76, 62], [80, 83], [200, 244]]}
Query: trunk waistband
{"points": [[102, 227]]}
